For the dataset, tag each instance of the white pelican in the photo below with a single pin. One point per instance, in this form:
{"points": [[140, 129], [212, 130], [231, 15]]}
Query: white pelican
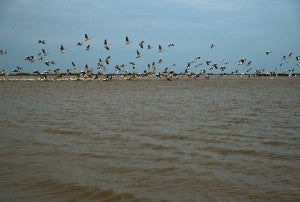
{"points": [[127, 41], [74, 65], [171, 44], [42, 41], [3, 52], [107, 59], [86, 37], [160, 49], [141, 44], [62, 49], [106, 45], [212, 45], [138, 55]]}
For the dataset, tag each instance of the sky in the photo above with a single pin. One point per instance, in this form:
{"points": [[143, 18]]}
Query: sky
{"points": [[238, 28]]}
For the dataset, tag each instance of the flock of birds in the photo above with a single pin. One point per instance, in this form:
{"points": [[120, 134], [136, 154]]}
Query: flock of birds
{"points": [[103, 64]]}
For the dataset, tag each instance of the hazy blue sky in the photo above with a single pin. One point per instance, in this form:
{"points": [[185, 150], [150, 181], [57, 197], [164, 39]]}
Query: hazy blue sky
{"points": [[239, 28]]}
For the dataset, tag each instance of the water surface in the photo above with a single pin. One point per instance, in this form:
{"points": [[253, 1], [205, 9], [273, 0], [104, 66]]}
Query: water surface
{"points": [[233, 139]]}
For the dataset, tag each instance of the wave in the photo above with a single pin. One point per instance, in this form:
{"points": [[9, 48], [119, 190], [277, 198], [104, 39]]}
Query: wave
{"points": [[51, 189]]}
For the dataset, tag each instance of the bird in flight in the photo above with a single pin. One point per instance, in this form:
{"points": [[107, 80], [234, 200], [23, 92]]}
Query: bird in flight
{"points": [[138, 55], [141, 44], [42, 41], [160, 49], [62, 49], [127, 41], [171, 45], [268, 52], [3, 52], [212, 46], [106, 45], [86, 37]]}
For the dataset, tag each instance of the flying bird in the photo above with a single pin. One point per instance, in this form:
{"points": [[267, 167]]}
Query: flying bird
{"points": [[268, 52], [42, 41], [138, 55], [107, 60], [74, 65], [106, 45], [3, 52], [141, 44], [62, 49], [171, 45], [212, 46], [160, 49], [242, 61], [207, 62], [127, 41], [86, 37]]}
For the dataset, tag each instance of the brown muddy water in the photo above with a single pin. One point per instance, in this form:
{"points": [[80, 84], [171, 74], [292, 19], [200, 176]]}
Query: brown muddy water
{"points": [[226, 139]]}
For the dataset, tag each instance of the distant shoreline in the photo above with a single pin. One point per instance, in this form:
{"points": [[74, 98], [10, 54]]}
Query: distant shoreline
{"points": [[131, 76]]}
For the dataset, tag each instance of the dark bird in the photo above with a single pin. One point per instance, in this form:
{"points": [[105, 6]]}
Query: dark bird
{"points": [[88, 47], [268, 52], [212, 46]]}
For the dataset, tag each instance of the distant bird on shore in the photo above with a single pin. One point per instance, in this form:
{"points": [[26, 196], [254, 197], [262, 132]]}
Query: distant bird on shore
{"points": [[127, 41], [212, 46], [88, 47], [106, 45], [79, 43], [297, 58], [149, 46], [268, 52]]}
